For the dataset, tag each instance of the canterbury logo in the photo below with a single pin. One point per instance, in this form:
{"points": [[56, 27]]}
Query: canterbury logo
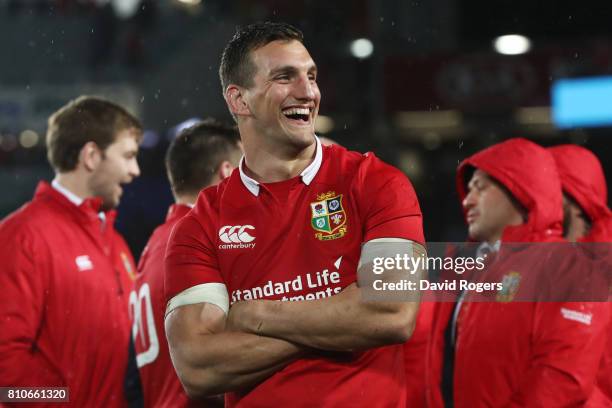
{"points": [[83, 263], [236, 234]]}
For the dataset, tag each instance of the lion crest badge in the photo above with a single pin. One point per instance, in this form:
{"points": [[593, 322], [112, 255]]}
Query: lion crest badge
{"points": [[328, 217]]}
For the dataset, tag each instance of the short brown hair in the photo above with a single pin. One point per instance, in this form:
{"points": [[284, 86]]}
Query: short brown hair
{"points": [[82, 120], [196, 153], [236, 64]]}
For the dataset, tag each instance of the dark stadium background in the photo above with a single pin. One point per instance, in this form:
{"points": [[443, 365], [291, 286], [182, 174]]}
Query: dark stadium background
{"points": [[433, 91]]}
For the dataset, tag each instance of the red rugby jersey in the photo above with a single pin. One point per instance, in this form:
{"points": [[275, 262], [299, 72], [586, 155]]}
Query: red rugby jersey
{"points": [[301, 239], [160, 384]]}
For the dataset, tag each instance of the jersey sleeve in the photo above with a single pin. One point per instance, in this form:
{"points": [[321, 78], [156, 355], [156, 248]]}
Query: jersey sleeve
{"points": [[387, 202], [190, 260], [24, 283]]}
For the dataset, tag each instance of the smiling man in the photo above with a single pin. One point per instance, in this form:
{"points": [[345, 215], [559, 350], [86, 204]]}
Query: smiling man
{"points": [[261, 274], [66, 271]]}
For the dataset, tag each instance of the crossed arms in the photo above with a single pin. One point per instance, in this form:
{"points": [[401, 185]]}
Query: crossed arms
{"points": [[215, 353]]}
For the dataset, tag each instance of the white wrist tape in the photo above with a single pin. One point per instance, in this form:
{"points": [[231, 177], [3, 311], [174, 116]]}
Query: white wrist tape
{"points": [[213, 293], [371, 249]]}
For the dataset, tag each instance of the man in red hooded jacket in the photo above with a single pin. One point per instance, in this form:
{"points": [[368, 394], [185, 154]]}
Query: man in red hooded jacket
{"points": [[588, 219], [501, 353], [585, 194], [66, 272]]}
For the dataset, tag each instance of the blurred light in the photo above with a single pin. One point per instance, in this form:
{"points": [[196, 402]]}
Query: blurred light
{"points": [[410, 163], [582, 102], [432, 141], [512, 44], [535, 115], [8, 142], [150, 139], [125, 8], [28, 138], [324, 124], [362, 48], [428, 119], [173, 133], [190, 2]]}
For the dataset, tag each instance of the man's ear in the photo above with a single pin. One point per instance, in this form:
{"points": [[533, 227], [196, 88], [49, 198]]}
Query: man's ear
{"points": [[90, 156], [234, 96], [224, 170]]}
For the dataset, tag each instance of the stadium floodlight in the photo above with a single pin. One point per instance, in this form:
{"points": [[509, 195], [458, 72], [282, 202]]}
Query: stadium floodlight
{"points": [[512, 44], [125, 9], [28, 139], [362, 48]]}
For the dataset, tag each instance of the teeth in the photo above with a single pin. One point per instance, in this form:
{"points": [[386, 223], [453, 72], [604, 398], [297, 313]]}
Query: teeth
{"points": [[296, 111]]}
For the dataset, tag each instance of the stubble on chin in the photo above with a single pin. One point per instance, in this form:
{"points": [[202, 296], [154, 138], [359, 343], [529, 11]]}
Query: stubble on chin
{"points": [[109, 204]]}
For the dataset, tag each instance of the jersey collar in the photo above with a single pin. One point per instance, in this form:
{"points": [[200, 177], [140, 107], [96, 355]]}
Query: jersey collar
{"points": [[178, 211], [307, 175], [73, 198], [95, 202]]}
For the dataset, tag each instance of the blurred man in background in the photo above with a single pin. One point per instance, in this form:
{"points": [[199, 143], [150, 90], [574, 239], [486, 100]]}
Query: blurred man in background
{"points": [[588, 219], [503, 352], [198, 157], [66, 272], [587, 216]]}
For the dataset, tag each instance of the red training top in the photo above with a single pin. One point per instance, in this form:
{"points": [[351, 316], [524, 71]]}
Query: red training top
{"points": [[160, 384], [65, 279], [582, 177]]}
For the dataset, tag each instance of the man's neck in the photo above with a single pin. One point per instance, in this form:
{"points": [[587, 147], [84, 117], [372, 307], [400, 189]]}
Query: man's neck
{"points": [[269, 164], [74, 183], [187, 199]]}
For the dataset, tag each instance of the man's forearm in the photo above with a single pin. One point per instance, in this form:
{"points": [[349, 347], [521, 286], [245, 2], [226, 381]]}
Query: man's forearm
{"points": [[229, 361], [339, 323]]}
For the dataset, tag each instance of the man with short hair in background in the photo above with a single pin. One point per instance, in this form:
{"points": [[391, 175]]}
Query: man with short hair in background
{"points": [[587, 219], [198, 157], [66, 273]]}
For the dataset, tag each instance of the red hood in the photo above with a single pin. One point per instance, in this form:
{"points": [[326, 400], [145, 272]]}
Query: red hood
{"points": [[583, 179], [529, 172]]}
